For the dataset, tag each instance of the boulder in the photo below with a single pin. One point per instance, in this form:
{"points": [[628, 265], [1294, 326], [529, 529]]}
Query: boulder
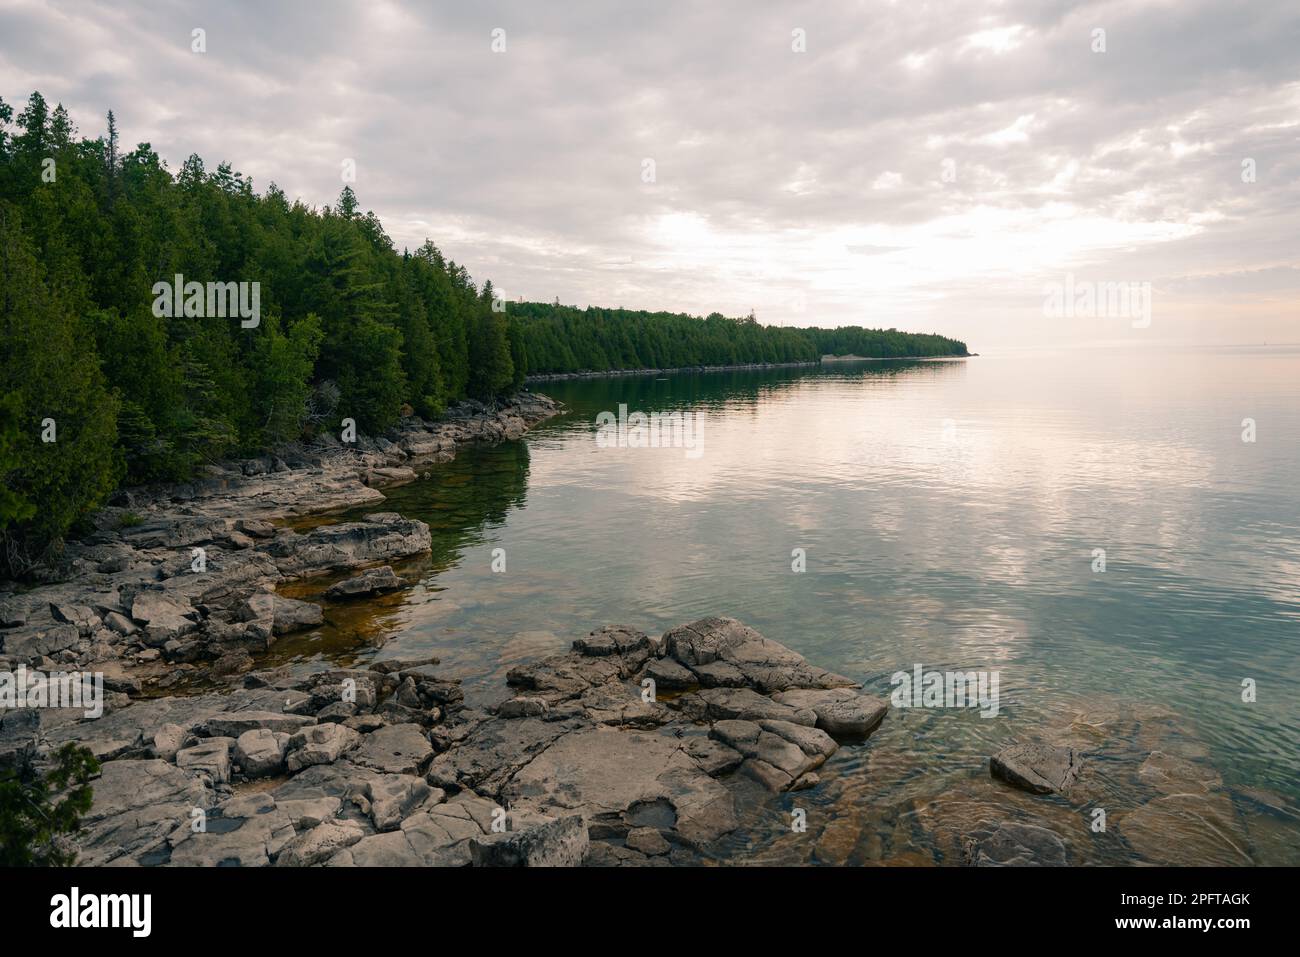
{"points": [[165, 615], [284, 614], [261, 751], [211, 757], [615, 640], [765, 665], [559, 843], [522, 707], [393, 797], [167, 741], [319, 744], [319, 844], [374, 581], [648, 841], [1037, 768]]}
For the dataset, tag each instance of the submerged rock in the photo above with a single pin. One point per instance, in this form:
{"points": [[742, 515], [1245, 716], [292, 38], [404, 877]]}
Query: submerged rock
{"points": [[1018, 845]]}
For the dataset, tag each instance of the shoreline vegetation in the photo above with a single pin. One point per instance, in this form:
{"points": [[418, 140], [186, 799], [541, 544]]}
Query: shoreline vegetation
{"points": [[157, 322]]}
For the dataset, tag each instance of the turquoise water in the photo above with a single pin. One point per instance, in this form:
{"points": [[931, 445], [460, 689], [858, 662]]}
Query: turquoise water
{"points": [[949, 513]]}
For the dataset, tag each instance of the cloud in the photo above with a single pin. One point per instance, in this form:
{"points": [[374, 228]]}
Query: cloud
{"points": [[809, 186]]}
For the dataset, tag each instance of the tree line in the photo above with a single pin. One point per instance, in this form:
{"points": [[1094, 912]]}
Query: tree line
{"points": [[560, 338], [100, 389]]}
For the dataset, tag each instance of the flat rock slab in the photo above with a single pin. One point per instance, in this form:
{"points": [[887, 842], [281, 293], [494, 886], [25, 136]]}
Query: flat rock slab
{"points": [[319, 844], [244, 832], [491, 753], [395, 749], [621, 776], [393, 797], [137, 804], [379, 537], [235, 723], [1037, 768]]}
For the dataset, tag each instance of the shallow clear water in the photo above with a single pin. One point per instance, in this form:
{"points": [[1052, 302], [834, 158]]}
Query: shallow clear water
{"points": [[949, 512]]}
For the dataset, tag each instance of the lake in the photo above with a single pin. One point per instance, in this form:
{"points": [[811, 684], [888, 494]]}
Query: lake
{"points": [[953, 515]]}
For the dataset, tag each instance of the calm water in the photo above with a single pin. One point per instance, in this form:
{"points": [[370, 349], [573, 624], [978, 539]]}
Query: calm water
{"points": [[949, 512]]}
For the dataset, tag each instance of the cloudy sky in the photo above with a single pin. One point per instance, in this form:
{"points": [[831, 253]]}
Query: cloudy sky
{"points": [[933, 166]]}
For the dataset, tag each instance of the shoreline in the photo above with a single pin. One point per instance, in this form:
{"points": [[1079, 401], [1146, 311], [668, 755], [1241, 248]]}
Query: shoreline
{"points": [[740, 367], [620, 373]]}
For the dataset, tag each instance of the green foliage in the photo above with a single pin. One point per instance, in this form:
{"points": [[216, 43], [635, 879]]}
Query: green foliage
{"points": [[13, 506], [555, 338], [36, 811], [63, 456]]}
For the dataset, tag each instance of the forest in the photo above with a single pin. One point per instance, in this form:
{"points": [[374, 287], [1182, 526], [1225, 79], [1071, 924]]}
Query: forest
{"points": [[99, 389], [566, 339]]}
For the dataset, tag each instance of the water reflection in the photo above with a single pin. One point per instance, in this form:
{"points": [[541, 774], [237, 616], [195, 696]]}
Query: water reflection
{"points": [[949, 513]]}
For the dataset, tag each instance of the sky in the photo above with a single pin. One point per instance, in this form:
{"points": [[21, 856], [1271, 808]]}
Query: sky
{"points": [[952, 167]]}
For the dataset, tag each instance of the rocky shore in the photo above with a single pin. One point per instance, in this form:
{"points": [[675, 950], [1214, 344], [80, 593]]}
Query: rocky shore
{"points": [[581, 762], [628, 749], [177, 581]]}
